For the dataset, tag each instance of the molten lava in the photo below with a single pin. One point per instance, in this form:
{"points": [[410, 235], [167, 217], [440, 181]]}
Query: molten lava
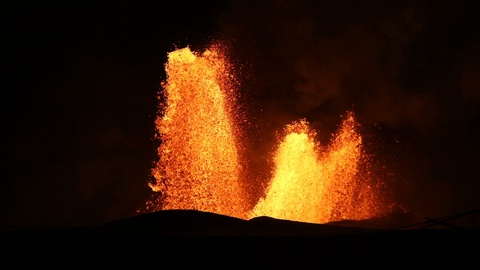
{"points": [[319, 185], [198, 165]]}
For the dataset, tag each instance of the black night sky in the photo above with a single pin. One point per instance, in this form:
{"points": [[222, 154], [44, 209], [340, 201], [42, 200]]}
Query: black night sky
{"points": [[80, 83]]}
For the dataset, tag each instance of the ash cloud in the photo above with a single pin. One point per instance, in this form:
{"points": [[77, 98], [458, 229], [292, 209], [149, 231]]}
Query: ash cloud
{"points": [[409, 70]]}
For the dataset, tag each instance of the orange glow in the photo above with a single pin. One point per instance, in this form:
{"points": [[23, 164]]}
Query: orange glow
{"points": [[319, 185], [198, 165]]}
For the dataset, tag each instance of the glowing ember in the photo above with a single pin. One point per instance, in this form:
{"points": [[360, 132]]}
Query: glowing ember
{"points": [[319, 185], [198, 167]]}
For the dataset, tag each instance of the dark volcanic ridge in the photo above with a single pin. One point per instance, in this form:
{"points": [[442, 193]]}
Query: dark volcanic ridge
{"points": [[194, 238], [198, 223]]}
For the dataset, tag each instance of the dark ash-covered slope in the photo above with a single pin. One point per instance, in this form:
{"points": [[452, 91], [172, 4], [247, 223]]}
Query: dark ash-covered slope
{"points": [[191, 238]]}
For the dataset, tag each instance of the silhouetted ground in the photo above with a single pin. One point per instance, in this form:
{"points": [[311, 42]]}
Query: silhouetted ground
{"points": [[196, 239]]}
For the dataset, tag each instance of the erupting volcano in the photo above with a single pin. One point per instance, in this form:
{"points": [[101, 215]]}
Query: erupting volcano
{"points": [[200, 168]]}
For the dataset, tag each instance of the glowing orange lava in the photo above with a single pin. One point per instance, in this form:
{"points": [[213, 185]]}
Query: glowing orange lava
{"points": [[198, 165], [319, 185]]}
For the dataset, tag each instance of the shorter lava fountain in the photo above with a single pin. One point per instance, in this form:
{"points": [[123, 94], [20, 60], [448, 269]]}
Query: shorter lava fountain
{"points": [[200, 168], [318, 184]]}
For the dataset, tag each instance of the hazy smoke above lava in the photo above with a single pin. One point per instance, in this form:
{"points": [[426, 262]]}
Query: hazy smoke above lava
{"points": [[409, 69]]}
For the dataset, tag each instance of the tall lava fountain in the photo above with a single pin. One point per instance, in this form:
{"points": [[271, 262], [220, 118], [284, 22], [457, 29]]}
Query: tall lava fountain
{"points": [[198, 166]]}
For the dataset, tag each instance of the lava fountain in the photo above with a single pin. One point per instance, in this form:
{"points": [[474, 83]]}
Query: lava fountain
{"points": [[319, 184], [200, 168], [198, 165]]}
